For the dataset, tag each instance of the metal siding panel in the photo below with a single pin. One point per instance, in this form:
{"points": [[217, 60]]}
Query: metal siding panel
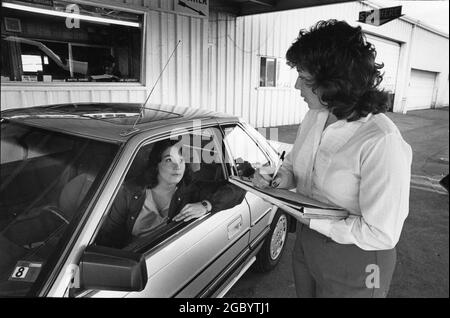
{"points": [[256, 40], [178, 59], [428, 51], [272, 120], [230, 70], [190, 76], [84, 96], [238, 67], [186, 62], [220, 62], [246, 61], [170, 92], [168, 43], [212, 63], [197, 62], [276, 108], [10, 99], [163, 85], [119, 96], [203, 92]]}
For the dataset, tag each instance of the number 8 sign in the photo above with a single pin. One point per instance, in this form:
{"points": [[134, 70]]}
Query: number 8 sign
{"points": [[26, 271], [20, 272]]}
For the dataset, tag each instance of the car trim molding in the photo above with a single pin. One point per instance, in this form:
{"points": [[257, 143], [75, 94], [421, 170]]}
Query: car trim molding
{"points": [[262, 216]]}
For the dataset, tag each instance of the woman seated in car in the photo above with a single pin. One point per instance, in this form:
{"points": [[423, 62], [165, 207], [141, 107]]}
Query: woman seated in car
{"points": [[166, 192]]}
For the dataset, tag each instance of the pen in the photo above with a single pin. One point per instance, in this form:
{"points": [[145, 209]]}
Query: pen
{"points": [[280, 162]]}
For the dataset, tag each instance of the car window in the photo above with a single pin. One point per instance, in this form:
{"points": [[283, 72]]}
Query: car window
{"points": [[245, 153], [166, 176], [46, 181]]}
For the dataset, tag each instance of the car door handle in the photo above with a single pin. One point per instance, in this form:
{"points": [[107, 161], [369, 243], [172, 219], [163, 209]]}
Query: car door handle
{"points": [[234, 227]]}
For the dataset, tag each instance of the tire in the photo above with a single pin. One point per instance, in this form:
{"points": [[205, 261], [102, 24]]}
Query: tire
{"points": [[274, 245]]}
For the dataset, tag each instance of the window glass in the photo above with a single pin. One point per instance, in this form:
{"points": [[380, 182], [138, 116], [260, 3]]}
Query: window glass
{"points": [[245, 153], [267, 72], [40, 43], [46, 182]]}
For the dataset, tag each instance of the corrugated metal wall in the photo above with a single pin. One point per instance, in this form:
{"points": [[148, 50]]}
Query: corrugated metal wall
{"points": [[183, 83], [236, 45], [234, 56], [217, 63]]}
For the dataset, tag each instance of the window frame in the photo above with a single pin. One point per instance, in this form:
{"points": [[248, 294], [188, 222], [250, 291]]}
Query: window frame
{"points": [[142, 81], [228, 150], [261, 57], [148, 244]]}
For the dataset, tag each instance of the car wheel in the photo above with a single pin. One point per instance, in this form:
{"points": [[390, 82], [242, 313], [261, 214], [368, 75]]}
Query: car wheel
{"points": [[274, 245]]}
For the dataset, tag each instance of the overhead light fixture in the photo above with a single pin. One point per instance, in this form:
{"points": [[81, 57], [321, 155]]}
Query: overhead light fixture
{"points": [[68, 15]]}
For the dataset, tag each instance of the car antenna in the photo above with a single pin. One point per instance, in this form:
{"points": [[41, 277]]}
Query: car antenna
{"points": [[141, 111]]}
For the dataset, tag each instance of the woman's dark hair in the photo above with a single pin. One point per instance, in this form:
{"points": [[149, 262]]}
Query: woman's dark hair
{"points": [[342, 65], [155, 157]]}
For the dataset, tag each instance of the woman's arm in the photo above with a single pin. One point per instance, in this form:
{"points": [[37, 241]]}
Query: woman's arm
{"points": [[383, 199], [220, 195]]}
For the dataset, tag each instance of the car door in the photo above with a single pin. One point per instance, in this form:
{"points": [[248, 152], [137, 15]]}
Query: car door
{"points": [[188, 260], [247, 155]]}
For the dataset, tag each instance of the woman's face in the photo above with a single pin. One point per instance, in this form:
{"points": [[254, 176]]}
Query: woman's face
{"points": [[172, 166], [306, 91]]}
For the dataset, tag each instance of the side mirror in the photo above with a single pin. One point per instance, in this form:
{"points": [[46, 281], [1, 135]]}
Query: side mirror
{"points": [[108, 268]]}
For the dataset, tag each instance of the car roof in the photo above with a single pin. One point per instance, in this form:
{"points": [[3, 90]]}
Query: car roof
{"points": [[116, 122]]}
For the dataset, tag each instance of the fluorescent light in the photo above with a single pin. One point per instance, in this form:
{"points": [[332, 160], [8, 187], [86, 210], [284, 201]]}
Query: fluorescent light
{"points": [[68, 15]]}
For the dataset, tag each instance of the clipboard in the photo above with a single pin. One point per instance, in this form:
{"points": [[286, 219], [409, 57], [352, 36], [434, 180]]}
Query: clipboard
{"points": [[296, 204]]}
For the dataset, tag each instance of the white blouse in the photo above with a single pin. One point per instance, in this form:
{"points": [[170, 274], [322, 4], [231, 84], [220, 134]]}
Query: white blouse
{"points": [[362, 166], [149, 217]]}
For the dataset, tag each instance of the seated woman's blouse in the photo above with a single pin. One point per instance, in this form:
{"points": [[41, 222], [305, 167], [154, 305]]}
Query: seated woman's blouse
{"points": [[363, 166], [149, 217]]}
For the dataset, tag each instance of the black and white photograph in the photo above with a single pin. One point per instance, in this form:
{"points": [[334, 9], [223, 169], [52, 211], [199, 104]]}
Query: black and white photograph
{"points": [[246, 150]]}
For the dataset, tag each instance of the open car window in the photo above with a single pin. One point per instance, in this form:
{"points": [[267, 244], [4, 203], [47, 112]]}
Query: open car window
{"points": [[47, 180], [140, 216]]}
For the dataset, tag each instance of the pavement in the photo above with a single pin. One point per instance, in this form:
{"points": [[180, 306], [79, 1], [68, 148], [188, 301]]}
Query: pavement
{"points": [[422, 269]]}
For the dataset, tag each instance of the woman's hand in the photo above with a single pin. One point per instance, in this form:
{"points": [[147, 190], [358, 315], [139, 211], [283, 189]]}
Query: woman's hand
{"points": [[263, 178], [190, 211]]}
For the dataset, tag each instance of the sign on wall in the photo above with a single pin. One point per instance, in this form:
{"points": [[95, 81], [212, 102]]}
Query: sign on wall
{"points": [[380, 16], [195, 7]]}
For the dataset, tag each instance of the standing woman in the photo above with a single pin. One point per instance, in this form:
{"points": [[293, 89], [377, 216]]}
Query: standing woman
{"points": [[347, 153]]}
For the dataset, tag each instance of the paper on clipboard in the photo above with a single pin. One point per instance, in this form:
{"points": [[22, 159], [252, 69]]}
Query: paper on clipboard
{"points": [[294, 203]]}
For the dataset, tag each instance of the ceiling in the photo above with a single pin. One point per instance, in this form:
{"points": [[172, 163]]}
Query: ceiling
{"points": [[248, 7]]}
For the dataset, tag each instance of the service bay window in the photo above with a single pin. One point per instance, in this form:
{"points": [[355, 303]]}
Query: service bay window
{"points": [[59, 41]]}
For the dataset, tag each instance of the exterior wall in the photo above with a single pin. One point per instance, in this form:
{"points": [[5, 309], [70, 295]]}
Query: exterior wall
{"points": [[236, 44], [235, 48], [182, 84], [216, 66]]}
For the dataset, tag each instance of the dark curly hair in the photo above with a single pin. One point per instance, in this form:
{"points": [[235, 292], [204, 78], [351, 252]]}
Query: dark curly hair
{"points": [[342, 64], [150, 177]]}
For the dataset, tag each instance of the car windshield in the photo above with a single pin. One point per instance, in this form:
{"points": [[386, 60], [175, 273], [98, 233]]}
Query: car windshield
{"points": [[47, 180]]}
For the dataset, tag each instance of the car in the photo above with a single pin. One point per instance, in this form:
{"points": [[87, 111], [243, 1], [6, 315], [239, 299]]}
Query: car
{"points": [[62, 167]]}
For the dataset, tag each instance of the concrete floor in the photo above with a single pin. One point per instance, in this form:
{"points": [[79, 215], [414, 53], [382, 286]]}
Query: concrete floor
{"points": [[423, 250]]}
